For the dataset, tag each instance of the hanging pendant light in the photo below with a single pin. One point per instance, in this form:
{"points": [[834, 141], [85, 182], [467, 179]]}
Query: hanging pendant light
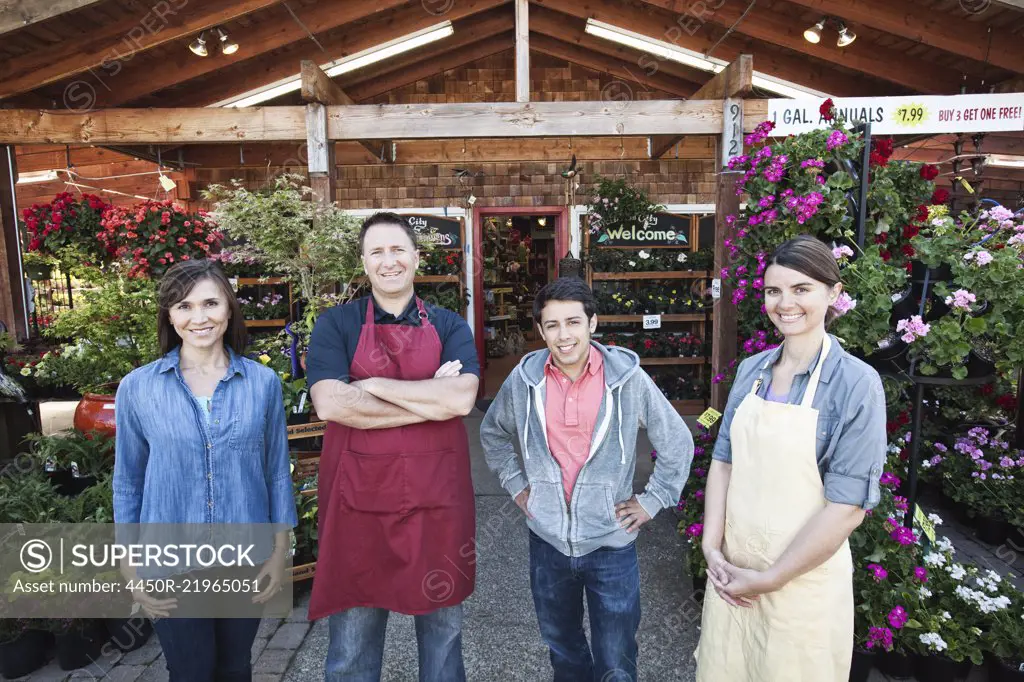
{"points": [[227, 45], [198, 46], [813, 34], [846, 36]]}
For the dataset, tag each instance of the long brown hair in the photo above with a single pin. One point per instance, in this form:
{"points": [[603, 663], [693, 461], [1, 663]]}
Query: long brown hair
{"points": [[178, 283], [810, 256]]}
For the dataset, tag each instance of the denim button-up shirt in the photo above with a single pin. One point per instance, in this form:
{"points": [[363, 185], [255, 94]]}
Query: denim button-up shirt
{"points": [[173, 465], [851, 440]]}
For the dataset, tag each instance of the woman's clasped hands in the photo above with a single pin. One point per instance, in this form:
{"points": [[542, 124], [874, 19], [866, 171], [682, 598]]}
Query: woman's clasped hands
{"points": [[737, 586]]}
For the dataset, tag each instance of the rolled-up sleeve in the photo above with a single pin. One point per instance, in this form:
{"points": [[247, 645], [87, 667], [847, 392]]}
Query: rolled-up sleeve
{"points": [[855, 467], [740, 388]]}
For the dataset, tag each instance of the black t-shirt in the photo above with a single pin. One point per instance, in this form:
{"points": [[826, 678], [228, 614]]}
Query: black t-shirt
{"points": [[336, 336]]}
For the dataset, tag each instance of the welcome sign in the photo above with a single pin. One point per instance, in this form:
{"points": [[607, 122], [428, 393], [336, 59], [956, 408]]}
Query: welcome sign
{"points": [[443, 233], [661, 229]]}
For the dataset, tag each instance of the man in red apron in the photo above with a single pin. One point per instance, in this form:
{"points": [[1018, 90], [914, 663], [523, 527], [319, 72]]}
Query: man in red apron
{"points": [[393, 376]]}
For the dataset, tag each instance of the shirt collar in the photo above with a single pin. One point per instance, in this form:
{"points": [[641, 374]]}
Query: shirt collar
{"points": [[595, 363], [827, 370], [172, 360], [410, 315]]}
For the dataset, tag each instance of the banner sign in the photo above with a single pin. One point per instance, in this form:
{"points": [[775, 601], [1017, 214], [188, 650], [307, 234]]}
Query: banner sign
{"points": [[662, 229], [908, 115], [443, 233]]}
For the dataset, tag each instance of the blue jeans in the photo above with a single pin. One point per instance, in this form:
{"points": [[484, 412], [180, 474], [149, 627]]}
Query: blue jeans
{"points": [[207, 649], [356, 649], [610, 579]]}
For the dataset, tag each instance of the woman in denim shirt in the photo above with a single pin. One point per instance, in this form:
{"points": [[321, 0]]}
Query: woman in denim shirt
{"points": [[201, 439], [796, 466]]}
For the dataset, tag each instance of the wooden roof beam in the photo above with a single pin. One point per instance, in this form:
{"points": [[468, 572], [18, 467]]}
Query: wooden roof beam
{"points": [[15, 14], [776, 26], [522, 50], [318, 87], [109, 49], [734, 81], [620, 98], [948, 32], [668, 28]]}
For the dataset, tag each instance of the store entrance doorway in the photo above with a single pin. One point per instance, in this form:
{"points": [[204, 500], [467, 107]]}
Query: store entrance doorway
{"points": [[519, 252]]}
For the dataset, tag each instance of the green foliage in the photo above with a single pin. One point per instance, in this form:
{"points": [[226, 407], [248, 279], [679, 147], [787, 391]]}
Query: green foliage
{"points": [[91, 455], [872, 283], [617, 202]]}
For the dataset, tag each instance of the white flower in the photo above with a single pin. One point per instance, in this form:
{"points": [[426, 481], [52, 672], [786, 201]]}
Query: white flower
{"points": [[925, 592], [933, 641], [934, 559], [934, 518], [946, 616], [926, 464], [994, 577], [632, 264], [957, 572], [643, 254], [944, 545], [681, 258]]}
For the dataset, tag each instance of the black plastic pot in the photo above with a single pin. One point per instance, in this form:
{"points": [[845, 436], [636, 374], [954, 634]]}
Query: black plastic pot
{"points": [[295, 419], [943, 273], [991, 531], [892, 358], [24, 654], [700, 585], [81, 645], [1004, 671], [861, 665], [941, 669], [978, 372], [129, 634], [895, 664], [68, 485], [903, 306]]}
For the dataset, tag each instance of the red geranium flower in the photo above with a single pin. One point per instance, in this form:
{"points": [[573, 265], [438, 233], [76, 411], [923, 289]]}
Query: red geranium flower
{"points": [[940, 196], [929, 172], [826, 109]]}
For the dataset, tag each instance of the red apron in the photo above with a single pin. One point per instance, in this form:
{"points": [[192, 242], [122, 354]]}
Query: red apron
{"points": [[397, 514]]}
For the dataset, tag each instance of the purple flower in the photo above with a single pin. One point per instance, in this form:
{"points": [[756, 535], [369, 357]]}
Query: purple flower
{"points": [[940, 447], [913, 328], [900, 502], [903, 535], [961, 299], [889, 479], [878, 573], [695, 530], [898, 617], [841, 252], [880, 636], [844, 304], [921, 573], [836, 139]]}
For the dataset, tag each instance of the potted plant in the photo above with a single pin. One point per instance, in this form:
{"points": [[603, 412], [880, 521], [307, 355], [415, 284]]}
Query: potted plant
{"points": [[617, 202], [79, 641], [73, 460], [1004, 631], [23, 649], [37, 267], [65, 229]]}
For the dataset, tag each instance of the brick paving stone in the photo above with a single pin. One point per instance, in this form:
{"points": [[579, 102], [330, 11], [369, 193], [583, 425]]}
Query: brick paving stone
{"points": [[267, 627], [289, 636], [98, 668], [50, 672], [273, 661], [145, 654], [125, 673], [267, 677], [299, 614], [258, 645], [156, 672]]}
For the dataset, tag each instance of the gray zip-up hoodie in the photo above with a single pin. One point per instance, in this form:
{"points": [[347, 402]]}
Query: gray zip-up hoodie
{"points": [[630, 400]]}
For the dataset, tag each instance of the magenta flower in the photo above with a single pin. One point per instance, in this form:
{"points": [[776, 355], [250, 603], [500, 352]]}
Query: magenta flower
{"points": [[903, 535], [699, 494], [921, 573], [878, 573], [898, 617], [880, 636], [900, 502], [889, 479], [836, 139], [695, 530]]}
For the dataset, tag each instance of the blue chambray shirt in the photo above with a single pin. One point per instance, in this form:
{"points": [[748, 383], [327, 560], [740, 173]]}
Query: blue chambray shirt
{"points": [[172, 465], [851, 437]]}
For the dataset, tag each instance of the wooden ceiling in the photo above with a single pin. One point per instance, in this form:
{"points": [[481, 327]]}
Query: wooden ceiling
{"points": [[103, 53]]}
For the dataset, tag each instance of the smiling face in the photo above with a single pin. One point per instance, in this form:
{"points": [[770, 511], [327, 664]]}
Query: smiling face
{"points": [[566, 331], [390, 259], [796, 303], [201, 318]]}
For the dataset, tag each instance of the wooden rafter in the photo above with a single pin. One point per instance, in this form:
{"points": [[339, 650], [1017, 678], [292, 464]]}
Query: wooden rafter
{"points": [[620, 92], [15, 14], [776, 26], [735, 81], [571, 30], [141, 77], [341, 42], [107, 51], [662, 26], [522, 50], [946, 31], [318, 87], [403, 121]]}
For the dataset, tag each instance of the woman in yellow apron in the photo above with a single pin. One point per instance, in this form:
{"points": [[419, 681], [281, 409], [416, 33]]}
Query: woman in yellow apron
{"points": [[797, 462]]}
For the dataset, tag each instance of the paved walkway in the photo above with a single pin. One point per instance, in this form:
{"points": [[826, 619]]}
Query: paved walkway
{"points": [[501, 641]]}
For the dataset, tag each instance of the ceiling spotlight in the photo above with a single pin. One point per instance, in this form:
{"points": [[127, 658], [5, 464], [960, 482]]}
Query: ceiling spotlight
{"points": [[846, 36], [813, 34], [542, 221], [198, 46], [227, 45]]}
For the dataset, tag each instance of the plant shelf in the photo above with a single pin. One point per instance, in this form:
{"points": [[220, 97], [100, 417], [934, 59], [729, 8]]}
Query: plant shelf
{"points": [[254, 281], [300, 573], [667, 274], [266, 323], [673, 361], [420, 279], [689, 408], [688, 317]]}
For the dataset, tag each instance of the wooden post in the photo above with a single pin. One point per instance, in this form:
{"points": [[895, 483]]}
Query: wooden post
{"points": [[12, 281], [322, 171], [318, 88], [522, 51], [731, 84]]}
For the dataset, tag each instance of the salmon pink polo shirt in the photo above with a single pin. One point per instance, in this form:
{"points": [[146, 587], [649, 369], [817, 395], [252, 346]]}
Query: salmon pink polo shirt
{"points": [[571, 409]]}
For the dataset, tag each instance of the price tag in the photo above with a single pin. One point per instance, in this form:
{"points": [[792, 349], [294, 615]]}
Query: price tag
{"points": [[910, 115], [716, 288], [708, 419], [652, 321], [927, 526], [895, 297], [234, 283]]}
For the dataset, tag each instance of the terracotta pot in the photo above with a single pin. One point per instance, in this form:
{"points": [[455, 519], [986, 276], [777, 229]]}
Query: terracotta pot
{"points": [[95, 413]]}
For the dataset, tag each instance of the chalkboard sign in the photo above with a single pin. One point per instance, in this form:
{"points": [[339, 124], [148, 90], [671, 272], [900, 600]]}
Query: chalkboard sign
{"points": [[662, 229], [443, 233]]}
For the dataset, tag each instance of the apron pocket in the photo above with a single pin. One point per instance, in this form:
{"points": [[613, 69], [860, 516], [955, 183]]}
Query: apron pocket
{"points": [[430, 481], [372, 483]]}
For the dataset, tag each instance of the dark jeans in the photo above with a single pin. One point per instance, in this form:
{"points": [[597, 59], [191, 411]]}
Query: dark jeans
{"points": [[207, 649], [610, 579], [355, 652]]}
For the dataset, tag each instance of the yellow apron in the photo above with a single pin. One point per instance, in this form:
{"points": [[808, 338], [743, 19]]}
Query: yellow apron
{"points": [[804, 631]]}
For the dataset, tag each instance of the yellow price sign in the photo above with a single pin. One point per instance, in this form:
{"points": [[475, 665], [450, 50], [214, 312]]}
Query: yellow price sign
{"points": [[910, 115], [709, 417], [926, 525]]}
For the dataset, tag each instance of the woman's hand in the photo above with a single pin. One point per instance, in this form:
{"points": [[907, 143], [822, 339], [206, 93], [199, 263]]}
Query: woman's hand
{"points": [[153, 607], [273, 568], [746, 583], [721, 579]]}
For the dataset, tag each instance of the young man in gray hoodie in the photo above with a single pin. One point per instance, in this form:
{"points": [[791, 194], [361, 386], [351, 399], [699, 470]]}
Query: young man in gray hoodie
{"points": [[574, 410]]}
